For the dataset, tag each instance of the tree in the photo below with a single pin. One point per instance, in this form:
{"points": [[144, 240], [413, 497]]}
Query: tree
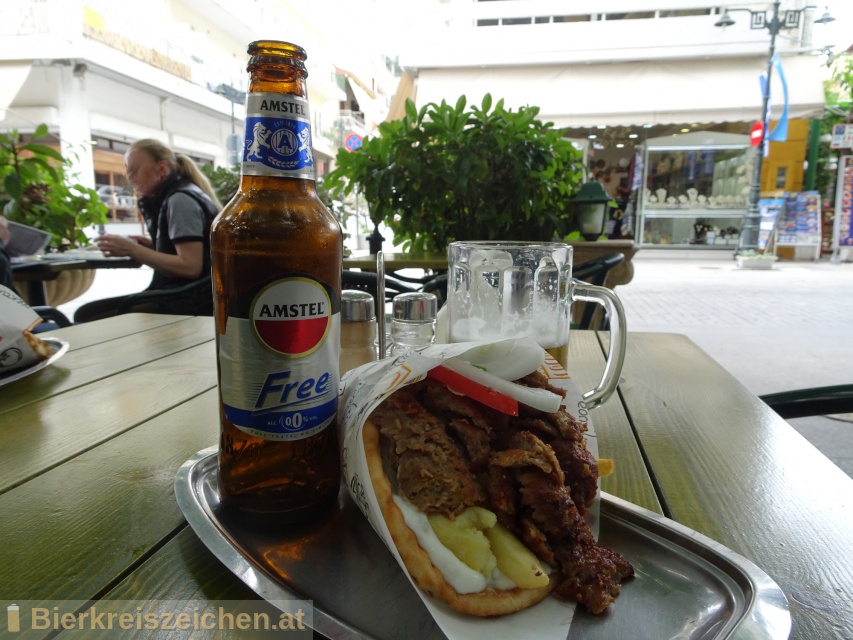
{"points": [[447, 173]]}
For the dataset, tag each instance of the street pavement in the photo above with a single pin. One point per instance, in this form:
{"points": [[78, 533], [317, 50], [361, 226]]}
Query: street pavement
{"points": [[786, 328]]}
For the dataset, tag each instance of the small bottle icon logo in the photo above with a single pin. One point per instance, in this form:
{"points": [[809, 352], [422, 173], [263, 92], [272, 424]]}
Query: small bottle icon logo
{"points": [[13, 618]]}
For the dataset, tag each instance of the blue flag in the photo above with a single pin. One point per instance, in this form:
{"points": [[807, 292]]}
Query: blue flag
{"points": [[780, 131]]}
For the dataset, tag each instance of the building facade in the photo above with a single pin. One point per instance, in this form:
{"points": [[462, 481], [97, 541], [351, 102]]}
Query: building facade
{"points": [[661, 99], [102, 74]]}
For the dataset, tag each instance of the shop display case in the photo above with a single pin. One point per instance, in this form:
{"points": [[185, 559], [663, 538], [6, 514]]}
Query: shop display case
{"points": [[696, 190]]}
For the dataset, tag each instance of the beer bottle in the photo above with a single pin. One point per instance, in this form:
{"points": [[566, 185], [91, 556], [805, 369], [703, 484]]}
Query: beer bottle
{"points": [[276, 258]]}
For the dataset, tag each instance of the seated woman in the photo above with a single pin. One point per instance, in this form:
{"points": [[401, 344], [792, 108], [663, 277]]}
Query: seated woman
{"points": [[178, 205]]}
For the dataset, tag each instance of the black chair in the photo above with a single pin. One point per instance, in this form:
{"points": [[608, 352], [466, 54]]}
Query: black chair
{"points": [[816, 401], [437, 287], [368, 281], [594, 272], [195, 298], [50, 314]]}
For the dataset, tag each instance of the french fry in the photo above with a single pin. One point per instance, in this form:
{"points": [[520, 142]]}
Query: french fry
{"points": [[476, 517], [515, 560], [466, 542], [605, 466]]}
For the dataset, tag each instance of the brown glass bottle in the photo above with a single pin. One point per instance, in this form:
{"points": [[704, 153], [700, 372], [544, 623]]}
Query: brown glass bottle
{"points": [[276, 257]]}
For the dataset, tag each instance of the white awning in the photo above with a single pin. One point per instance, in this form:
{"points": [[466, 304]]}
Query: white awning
{"points": [[13, 74], [634, 93], [405, 90]]}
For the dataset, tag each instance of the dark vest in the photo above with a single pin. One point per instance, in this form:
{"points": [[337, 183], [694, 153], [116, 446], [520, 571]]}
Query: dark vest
{"points": [[187, 299]]}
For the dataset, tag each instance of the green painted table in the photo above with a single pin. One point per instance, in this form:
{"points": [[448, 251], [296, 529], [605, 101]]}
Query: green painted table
{"points": [[91, 445]]}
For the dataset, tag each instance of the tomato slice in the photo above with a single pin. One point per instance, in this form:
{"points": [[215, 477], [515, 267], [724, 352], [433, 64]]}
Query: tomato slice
{"points": [[474, 390]]}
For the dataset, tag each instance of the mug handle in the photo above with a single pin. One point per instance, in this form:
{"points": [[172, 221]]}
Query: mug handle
{"points": [[584, 292]]}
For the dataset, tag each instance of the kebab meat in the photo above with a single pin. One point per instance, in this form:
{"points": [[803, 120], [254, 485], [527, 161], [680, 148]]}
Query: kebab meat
{"points": [[500, 490]]}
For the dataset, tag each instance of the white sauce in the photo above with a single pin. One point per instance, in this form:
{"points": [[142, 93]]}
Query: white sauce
{"points": [[458, 574]]}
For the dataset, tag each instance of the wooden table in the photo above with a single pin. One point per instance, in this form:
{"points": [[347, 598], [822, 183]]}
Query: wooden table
{"points": [[34, 275], [397, 261], [91, 445], [583, 251]]}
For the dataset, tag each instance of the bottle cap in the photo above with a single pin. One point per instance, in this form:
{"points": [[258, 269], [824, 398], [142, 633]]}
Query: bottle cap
{"points": [[356, 306], [415, 306]]}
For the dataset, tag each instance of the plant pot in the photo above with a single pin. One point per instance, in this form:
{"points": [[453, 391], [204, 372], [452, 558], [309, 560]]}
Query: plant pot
{"points": [[67, 286], [755, 263]]}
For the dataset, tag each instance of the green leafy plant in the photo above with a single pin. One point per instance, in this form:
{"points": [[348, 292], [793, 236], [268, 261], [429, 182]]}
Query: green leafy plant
{"points": [[224, 180], [39, 190], [446, 173], [838, 92]]}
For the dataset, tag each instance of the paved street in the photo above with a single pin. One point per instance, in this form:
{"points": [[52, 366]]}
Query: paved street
{"points": [[787, 328]]}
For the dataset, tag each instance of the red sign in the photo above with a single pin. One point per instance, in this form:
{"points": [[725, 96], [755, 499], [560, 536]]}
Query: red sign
{"points": [[756, 134], [353, 142]]}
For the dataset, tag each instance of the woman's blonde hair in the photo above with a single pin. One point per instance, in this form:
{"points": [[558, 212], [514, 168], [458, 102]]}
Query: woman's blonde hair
{"points": [[183, 164]]}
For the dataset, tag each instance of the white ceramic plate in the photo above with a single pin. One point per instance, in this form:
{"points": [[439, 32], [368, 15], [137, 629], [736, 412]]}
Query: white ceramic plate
{"points": [[57, 350]]}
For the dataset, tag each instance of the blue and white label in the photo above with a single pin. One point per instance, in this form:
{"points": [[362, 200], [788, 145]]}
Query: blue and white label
{"points": [[280, 381], [278, 136]]}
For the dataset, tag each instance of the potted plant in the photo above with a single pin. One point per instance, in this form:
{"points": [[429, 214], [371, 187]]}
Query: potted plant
{"points": [[447, 172], [224, 180], [752, 260], [39, 190]]}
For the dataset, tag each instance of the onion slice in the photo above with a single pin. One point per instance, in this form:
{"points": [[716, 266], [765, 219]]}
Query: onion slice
{"points": [[507, 359]]}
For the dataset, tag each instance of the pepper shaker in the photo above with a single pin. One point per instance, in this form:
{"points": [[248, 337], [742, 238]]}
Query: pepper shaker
{"points": [[358, 329]]}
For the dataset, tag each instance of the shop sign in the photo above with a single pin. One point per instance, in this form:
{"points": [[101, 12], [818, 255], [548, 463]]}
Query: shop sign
{"points": [[842, 136], [844, 203]]}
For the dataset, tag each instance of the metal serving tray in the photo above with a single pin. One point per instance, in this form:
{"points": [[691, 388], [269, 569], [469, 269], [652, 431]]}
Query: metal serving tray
{"points": [[686, 586]]}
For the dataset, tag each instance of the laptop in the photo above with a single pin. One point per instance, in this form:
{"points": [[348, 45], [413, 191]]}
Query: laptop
{"points": [[25, 240]]}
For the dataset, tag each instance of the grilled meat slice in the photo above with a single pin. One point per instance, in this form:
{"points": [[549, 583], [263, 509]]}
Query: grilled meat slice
{"points": [[502, 495], [522, 448], [432, 471], [580, 469], [442, 402], [474, 440], [590, 575], [536, 541]]}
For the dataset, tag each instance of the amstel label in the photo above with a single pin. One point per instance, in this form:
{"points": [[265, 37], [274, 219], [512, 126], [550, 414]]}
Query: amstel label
{"points": [[279, 359], [278, 136], [292, 317]]}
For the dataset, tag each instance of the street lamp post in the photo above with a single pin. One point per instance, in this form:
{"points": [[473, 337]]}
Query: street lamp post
{"points": [[789, 19], [234, 143]]}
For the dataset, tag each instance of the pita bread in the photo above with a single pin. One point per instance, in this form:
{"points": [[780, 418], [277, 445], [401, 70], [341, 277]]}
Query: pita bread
{"points": [[39, 346], [490, 602]]}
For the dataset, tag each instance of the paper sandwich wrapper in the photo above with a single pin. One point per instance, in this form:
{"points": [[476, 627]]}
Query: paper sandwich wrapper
{"points": [[15, 318], [362, 390]]}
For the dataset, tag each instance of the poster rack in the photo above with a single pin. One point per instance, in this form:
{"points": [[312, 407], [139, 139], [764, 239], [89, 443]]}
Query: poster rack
{"points": [[770, 208], [798, 224], [842, 231]]}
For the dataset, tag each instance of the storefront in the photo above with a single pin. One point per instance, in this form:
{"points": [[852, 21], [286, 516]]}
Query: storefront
{"points": [[687, 186], [695, 189]]}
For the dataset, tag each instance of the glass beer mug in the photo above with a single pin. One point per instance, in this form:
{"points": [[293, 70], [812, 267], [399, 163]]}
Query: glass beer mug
{"points": [[525, 289]]}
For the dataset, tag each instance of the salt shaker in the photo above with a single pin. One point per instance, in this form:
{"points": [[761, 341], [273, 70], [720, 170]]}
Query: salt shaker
{"points": [[412, 322], [358, 329]]}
